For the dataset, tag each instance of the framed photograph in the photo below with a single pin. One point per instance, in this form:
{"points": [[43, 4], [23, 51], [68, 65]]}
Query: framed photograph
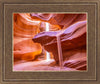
{"points": [[40, 44], [49, 42]]}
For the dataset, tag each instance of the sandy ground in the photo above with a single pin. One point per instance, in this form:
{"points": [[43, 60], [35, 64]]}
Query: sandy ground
{"points": [[43, 65]]}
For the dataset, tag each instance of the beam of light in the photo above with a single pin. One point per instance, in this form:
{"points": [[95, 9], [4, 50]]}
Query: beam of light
{"points": [[47, 26], [47, 56], [47, 53]]}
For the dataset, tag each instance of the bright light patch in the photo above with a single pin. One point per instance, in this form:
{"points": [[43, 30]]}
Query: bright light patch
{"points": [[47, 26], [47, 53], [47, 56]]}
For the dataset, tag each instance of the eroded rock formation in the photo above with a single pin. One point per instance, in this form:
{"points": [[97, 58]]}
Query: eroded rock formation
{"points": [[63, 20], [24, 30], [73, 38]]}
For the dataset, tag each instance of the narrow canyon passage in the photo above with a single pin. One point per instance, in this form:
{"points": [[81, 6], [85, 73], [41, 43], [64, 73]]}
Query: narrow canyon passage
{"points": [[49, 42]]}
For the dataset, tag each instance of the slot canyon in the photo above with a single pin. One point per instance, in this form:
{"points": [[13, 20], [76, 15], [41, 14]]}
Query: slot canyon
{"points": [[49, 42]]}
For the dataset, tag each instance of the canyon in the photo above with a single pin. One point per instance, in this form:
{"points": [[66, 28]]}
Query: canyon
{"points": [[33, 42]]}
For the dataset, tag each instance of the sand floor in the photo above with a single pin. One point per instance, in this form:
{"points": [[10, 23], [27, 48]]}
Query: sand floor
{"points": [[43, 65]]}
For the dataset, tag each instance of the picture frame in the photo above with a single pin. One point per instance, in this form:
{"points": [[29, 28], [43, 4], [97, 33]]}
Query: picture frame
{"points": [[8, 7]]}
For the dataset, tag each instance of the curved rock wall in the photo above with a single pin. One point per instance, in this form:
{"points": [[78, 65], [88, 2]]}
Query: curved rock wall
{"points": [[28, 27], [24, 30], [73, 38]]}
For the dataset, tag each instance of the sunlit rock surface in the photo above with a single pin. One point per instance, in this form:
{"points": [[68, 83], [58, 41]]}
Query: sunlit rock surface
{"points": [[24, 26], [24, 30], [43, 65], [73, 41], [26, 50], [63, 20], [30, 40]]}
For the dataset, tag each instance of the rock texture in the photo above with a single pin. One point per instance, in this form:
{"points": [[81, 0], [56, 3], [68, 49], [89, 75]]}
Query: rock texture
{"points": [[73, 39], [26, 50], [72, 29], [63, 20], [24, 30], [51, 27], [24, 26]]}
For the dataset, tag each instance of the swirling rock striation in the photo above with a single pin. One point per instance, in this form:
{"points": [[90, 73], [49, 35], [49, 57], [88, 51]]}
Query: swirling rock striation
{"points": [[73, 39]]}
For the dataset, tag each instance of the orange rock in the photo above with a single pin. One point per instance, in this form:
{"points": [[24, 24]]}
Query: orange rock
{"points": [[73, 40], [51, 27], [24, 26], [63, 20], [24, 30], [32, 55], [26, 50]]}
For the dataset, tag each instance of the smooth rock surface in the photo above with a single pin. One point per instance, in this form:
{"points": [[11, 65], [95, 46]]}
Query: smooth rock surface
{"points": [[73, 39]]}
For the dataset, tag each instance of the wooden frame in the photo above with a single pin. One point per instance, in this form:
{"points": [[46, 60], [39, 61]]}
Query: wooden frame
{"points": [[91, 76]]}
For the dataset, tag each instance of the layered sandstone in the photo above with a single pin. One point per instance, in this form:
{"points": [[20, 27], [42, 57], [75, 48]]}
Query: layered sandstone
{"points": [[24, 30], [73, 39], [31, 38]]}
